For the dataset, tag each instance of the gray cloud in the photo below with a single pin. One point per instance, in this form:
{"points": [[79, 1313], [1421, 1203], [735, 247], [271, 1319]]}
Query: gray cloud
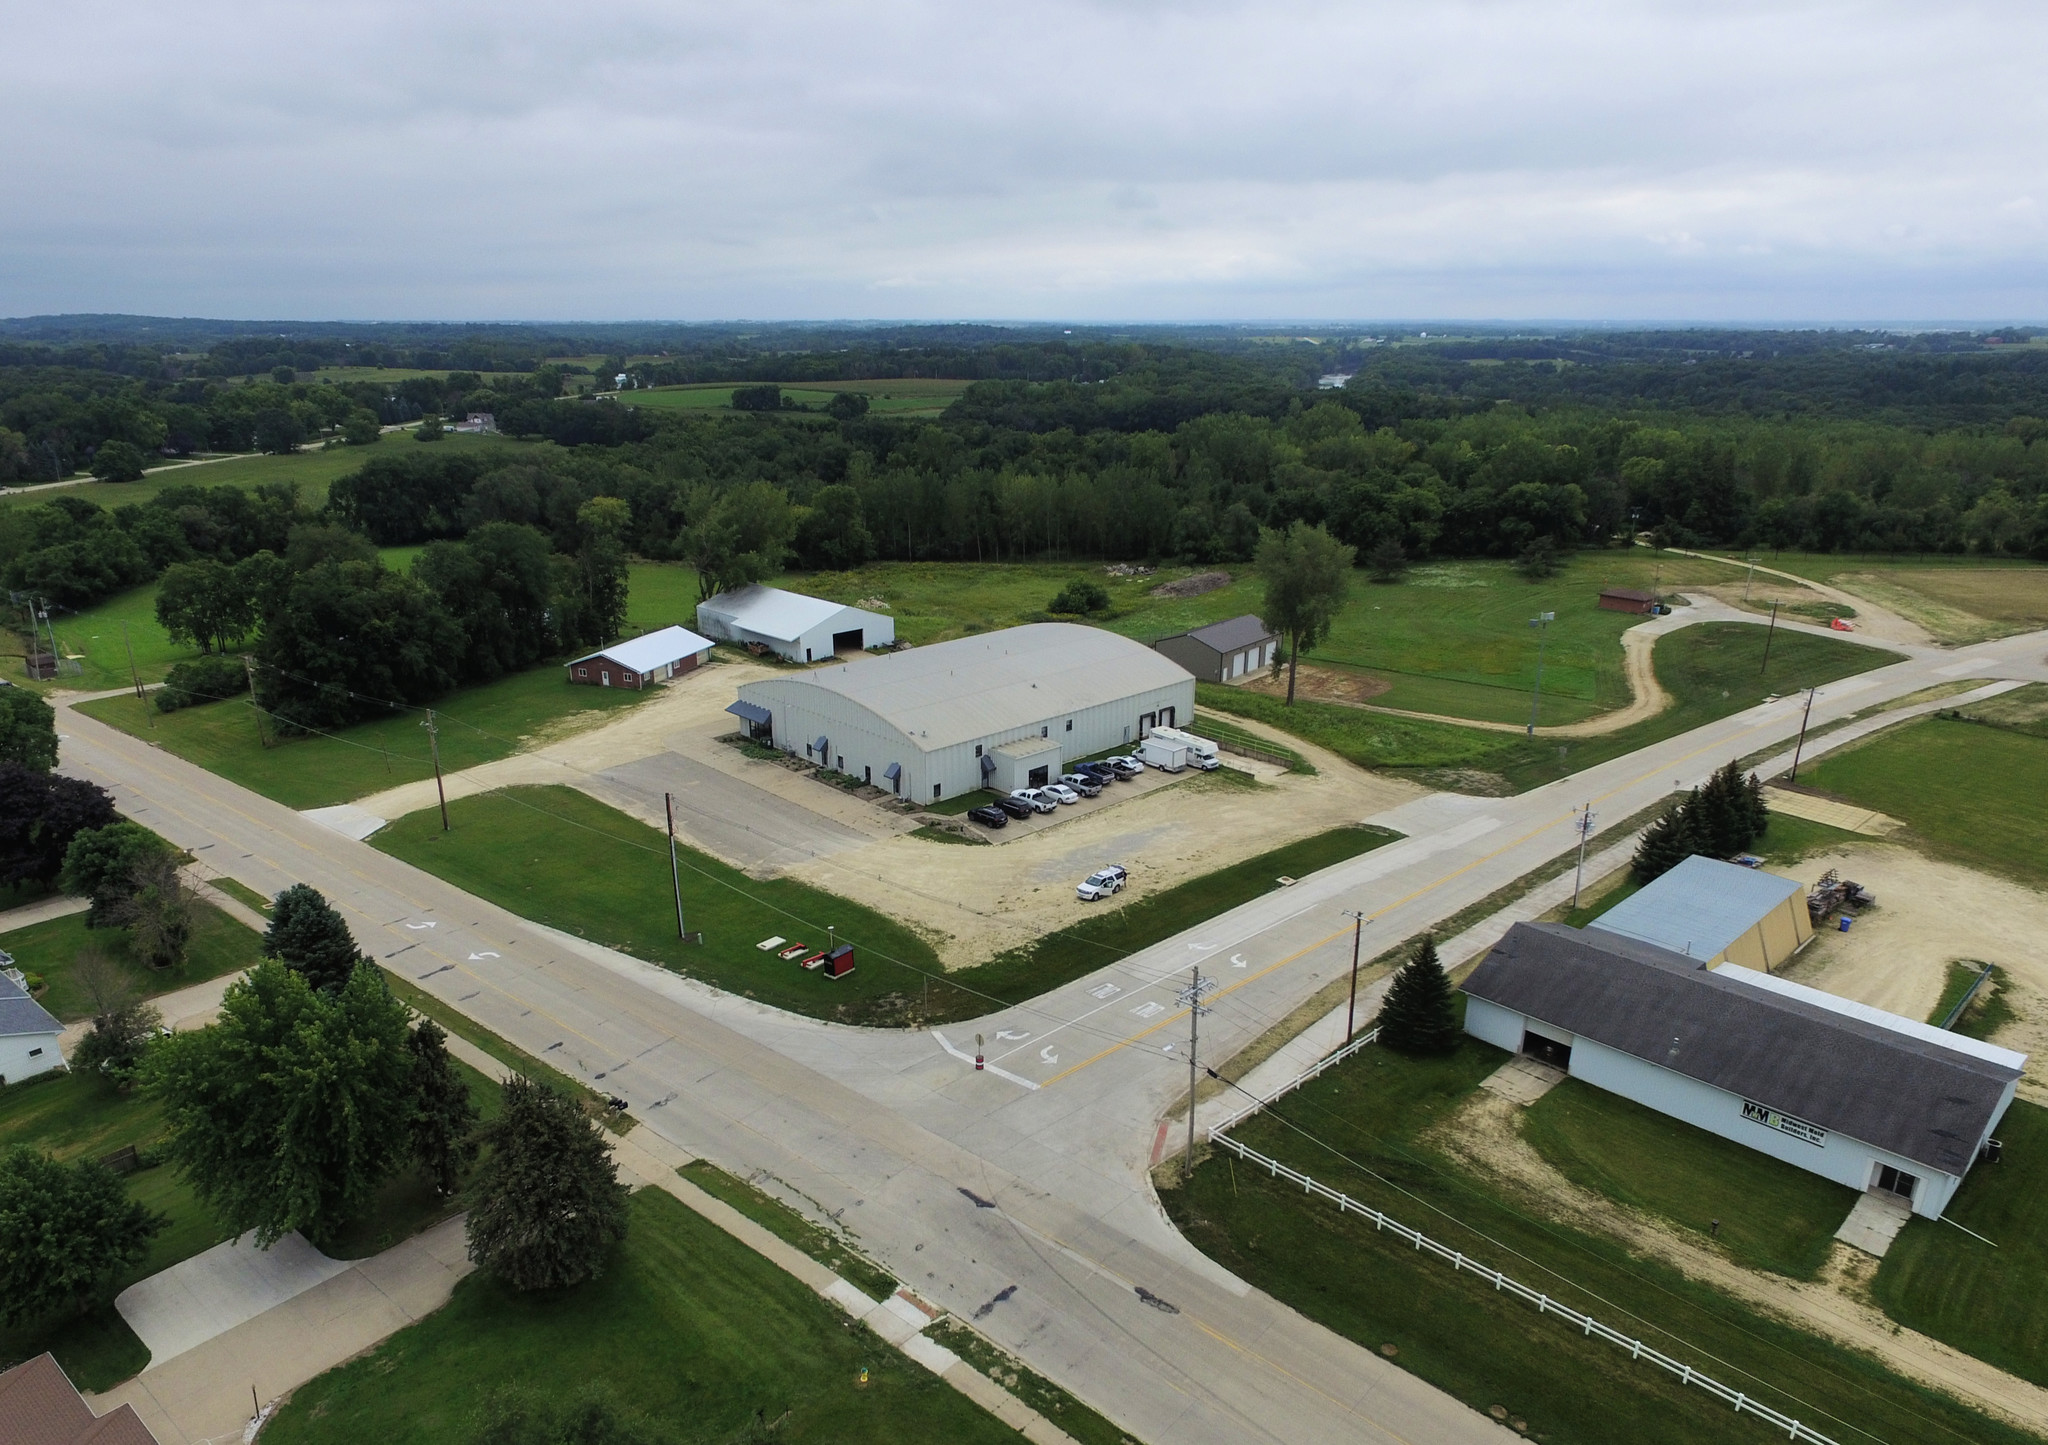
{"points": [[1113, 160]]}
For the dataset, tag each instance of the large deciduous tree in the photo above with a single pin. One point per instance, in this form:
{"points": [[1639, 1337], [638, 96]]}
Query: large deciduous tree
{"points": [[40, 814], [291, 1110], [1419, 1015], [28, 730], [101, 865], [207, 603], [69, 1230], [1306, 571], [546, 1205], [348, 639], [601, 566], [739, 537]]}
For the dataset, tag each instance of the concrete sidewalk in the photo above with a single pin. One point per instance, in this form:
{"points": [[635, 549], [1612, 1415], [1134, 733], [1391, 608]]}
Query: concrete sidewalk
{"points": [[41, 911]]}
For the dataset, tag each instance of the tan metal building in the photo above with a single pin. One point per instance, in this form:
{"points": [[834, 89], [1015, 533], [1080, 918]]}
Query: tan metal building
{"points": [[1718, 913]]}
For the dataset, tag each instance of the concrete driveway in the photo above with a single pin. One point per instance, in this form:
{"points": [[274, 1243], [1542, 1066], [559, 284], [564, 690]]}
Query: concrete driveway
{"points": [[212, 1292], [752, 827]]}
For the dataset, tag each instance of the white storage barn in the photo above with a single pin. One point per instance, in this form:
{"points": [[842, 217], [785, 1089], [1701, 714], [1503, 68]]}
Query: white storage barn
{"points": [[1000, 710], [1863, 1097], [28, 1035], [800, 628]]}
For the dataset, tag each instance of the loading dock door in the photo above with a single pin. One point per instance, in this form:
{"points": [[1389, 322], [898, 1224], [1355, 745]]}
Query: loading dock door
{"points": [[1547, 1051], [847, 641], [1039, 777]]}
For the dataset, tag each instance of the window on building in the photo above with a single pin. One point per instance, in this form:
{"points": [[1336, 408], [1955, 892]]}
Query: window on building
{"points": [[1070, 724], [935, 789], [35, 1053], [977, 750], [1045, 732]]}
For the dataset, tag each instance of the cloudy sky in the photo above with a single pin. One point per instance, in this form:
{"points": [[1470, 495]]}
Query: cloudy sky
{"points": [[1120, 160]]}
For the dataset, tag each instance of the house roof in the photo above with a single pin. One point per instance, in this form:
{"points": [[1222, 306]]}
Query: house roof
{"points": [[966, 689], [652, 650], [40, 1406], [1628, 594], [20, 1014], [1876, 1079], [1699, 907], [1232, 633], [772, 612]]}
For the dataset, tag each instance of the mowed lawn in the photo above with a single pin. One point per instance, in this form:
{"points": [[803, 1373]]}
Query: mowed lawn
{"points": [[1711, 670], [1363, 1128], [219, 945], [1972, 790], [686, 1325], [1991, 1303], [561, 858], [477, 725], [909, 396], [1771, 1215]]}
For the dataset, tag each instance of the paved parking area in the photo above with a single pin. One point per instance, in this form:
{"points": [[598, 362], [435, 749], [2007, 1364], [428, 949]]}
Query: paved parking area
{"points": [[758, 830]]}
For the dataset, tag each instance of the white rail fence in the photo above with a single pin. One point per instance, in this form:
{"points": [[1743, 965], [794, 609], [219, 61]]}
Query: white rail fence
{"points": [[1544, 1303], [1231, 1121]]}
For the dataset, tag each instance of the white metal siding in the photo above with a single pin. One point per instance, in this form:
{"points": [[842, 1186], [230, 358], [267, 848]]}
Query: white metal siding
{"points": [[1487, 1020], [15, 1063]]}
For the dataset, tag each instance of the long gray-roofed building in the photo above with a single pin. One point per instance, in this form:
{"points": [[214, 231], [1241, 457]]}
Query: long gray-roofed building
{"points": [[999, 710], [1860, 1096]]}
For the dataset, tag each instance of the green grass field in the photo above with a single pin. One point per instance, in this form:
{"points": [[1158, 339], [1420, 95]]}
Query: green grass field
{"points": [[1988, 1302], [591, 870], [1710, 670], [1772, 1216], [81, 1116], [686, 1325], [792, 1228], [219, 945], [1989, 1009], [1973, 792], [1366, 1122], [908, 397], [477, 725]]}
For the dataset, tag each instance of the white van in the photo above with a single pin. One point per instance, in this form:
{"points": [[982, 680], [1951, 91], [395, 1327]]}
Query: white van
{"points": [[1162, 753]]}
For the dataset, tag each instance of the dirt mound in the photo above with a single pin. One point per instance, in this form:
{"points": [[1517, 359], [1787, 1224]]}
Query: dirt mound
{"points": [[1323, 684], [1193, 586]]}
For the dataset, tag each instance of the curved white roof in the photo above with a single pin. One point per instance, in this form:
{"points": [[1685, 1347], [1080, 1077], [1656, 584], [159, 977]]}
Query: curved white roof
{"points": [[958, 691]]}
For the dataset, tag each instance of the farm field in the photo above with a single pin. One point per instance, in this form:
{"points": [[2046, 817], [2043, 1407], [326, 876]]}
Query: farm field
{"points": [[219, 945], [1364, 1128], [1971, 791], [81, 1116], [1710, 670], [690, 1327], [591, 870], [1988, 1302], [905, 397], [1958, 599]]}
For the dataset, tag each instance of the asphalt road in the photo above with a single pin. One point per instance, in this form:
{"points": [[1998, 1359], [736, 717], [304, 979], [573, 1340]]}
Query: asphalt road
{"points": [[1018, 1196]]}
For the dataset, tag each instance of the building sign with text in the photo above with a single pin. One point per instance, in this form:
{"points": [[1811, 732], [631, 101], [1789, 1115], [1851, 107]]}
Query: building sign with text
{"points": [[1784, 1123]]}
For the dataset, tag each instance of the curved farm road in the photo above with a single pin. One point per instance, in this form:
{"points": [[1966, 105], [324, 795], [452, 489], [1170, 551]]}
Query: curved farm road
{"points": [[1878, 621], [1485, 1134]]}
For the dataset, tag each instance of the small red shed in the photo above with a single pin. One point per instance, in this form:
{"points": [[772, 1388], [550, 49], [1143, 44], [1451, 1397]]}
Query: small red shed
{"points": [[1626, 599], [839, 962]]}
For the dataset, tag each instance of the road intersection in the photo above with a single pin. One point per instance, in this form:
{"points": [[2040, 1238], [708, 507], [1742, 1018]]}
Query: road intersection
{"points": [[1018, 1196]]}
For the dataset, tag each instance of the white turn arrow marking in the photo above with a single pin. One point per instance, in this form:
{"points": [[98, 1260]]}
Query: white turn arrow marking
{"points": [[1050, 1054], [1237, 961], [485, 954], [1204, 947], [1012, 1035], [417, 926]]}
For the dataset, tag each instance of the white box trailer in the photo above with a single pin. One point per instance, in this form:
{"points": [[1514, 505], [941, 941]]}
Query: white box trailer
{"points": [[1201, 752], [1162, 753]]}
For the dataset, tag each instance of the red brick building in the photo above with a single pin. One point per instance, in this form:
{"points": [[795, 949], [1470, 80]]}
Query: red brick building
{"points": [[1626, 599], [643, 661]]}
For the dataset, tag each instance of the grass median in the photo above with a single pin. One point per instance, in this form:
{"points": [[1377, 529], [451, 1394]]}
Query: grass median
{"points": [[1364, 1128], [686, 1325], [561, 858]]}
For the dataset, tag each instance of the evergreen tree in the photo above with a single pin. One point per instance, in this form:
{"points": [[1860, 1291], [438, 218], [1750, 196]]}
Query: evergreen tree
{"points": [[1722, 814], [311, 938], [1759, 814], [1666, 843], [444, 1119], [546, 1204], [69, 1230], [1419, 1016]]}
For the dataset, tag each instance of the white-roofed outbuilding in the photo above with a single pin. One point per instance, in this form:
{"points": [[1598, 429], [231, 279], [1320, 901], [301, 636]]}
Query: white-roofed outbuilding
{"points": [[800, 628], [999, 710], [642, 661]]}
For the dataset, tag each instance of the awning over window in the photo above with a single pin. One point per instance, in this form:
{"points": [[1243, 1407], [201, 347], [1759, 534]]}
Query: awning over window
{"points": [[824, 745], [753, 712], [988, 765], [894, 770]]}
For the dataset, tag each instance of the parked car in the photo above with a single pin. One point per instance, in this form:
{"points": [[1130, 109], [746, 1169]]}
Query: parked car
{"points": [[1014, 807], [989, 816], [1101, 883], [1036, 800], [1082, 783], [1061, 793], [1103, 773], [1127, 766]]}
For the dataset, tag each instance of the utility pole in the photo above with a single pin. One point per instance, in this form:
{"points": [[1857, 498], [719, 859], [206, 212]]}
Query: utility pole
{"points": [[1801, 747], [434, 745], [135, 676], [1351, 1013], [249, 676], [1749, 579], [1541, 622], [1585, 826], [1192, 996], [1769, 633], [675, 871]]}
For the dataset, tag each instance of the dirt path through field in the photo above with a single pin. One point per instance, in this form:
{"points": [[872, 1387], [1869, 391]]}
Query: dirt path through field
{"points": [[1486, 1134], [1872, 616]]}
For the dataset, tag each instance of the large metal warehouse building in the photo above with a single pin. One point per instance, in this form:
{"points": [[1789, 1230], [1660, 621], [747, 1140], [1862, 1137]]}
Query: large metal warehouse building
{"points": [[1001, 710], [1718, 913], [800, 628], [1852, 1093]]}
